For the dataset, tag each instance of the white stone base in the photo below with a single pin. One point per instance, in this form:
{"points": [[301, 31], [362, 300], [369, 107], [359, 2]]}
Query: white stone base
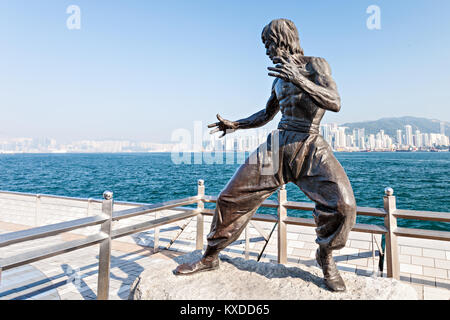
{"points": [[240, 279]]}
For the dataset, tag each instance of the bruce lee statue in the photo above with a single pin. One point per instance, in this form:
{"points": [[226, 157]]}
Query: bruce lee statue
{"points": [[303, 90]]}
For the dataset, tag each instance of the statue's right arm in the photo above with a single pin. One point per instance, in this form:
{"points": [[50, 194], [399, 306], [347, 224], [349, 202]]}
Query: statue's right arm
{"points": [[262, 117]]}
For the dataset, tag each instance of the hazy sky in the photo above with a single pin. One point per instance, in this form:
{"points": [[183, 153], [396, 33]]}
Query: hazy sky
{"points": [[140, 69]]}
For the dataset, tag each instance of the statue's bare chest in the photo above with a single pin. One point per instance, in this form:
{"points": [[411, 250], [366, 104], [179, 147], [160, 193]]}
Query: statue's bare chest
{"points": [[294, 101], [285, 89]]}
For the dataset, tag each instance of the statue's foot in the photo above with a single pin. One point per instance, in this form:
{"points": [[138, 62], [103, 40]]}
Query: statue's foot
{"points": [[332, 278], [201, 265]]}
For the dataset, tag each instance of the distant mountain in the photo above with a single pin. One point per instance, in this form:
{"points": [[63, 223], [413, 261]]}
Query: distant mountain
{"points": [[390, 125]]}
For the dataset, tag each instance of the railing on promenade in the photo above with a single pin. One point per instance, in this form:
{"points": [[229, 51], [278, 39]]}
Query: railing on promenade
{"points": [[390, 214]]}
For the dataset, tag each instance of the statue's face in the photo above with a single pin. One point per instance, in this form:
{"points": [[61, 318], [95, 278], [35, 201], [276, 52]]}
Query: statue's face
{"points": [[272, 50]]}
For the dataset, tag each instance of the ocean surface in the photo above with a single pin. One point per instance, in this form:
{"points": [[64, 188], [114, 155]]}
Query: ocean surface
{"points": [[421, 180]]}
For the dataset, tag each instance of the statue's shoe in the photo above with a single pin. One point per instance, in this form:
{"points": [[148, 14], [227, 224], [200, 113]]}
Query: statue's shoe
{"points": [[332, 278], [198, 266]]}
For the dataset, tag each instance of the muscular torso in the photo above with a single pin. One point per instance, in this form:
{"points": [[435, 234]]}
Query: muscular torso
{"points": [[296, 105]]}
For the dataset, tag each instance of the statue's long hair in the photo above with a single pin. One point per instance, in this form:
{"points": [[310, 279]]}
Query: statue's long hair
{"points": [[284, 33]]}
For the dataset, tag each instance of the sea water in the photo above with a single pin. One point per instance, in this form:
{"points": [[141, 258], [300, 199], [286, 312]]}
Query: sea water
{"points": [[420, 180]]}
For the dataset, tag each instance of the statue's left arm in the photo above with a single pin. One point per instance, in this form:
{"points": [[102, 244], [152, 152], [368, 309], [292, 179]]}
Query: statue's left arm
{"points": [[322, 89]]}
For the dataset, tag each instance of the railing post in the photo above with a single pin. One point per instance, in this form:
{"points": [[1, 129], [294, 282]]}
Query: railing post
{"points": [[156, 234], [104, 264], [282, 236], [390, 222], [88, 209], [247, 242], [37, 210], [200, 207]]}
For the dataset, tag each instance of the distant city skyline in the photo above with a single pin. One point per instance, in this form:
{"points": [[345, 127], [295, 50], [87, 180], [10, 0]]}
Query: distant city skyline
{"points": [[338, 137], [140, 70]]}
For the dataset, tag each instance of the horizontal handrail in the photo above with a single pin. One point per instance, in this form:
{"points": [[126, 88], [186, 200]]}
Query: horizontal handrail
{"points": [[308, 206], [300, 221], [423, 234], [50, 196], [369, 228], [47, 252], [363, 211], [359, 227], [128, 213], [92, 200], [49, 230], [209, 199], [125, 231], [367, 211], [422, 215], [296, 205], [266, 203], [256, 216]]}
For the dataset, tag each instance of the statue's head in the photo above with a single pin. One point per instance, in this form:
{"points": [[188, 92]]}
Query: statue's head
{"points": [[280, 37]]}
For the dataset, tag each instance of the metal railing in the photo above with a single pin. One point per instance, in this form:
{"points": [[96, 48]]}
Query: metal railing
{"points": [[106, 234]]}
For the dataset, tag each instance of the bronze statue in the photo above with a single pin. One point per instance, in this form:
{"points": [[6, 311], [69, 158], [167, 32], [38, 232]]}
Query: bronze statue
{"points": [[303, 90]]}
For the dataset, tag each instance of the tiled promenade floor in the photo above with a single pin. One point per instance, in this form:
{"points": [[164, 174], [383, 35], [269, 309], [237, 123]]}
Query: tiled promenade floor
{"points": [[74, 275]]}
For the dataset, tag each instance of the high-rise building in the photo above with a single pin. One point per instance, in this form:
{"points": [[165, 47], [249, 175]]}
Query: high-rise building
{"points": [[360, 134], [326, 133], [362, 144], [418, 139], [426, 140], [399, 137], [350, 141], [387, 142], [371, 141], [409, 135], [378, 141], [341, 137]]}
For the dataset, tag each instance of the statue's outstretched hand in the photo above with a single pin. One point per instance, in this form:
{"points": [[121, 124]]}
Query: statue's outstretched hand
{"points": [[224, 125]]}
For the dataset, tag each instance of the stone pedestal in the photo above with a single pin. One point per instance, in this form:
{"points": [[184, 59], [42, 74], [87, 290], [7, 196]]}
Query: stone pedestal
{"points": [[240, 279]]}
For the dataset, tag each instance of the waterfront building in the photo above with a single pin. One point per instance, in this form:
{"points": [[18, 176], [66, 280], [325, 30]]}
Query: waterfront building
{"points": [[371, 141], [418, 139], [399, 137], [360, 137], [325, 131], [362, 144], [409, 135], [341, 137], [333, 134], [378, 141], [426, 140], [350, 141]]}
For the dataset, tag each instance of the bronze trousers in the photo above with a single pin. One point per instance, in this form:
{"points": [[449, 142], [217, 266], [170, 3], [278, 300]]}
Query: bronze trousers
{"points": [[287, 156]]}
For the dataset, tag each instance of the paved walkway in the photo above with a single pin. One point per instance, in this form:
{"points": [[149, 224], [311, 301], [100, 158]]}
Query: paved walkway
{"points": [[74, 275]]}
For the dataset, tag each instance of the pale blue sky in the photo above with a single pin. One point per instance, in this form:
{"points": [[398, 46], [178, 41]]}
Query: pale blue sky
{"points": [[140, 69]]}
